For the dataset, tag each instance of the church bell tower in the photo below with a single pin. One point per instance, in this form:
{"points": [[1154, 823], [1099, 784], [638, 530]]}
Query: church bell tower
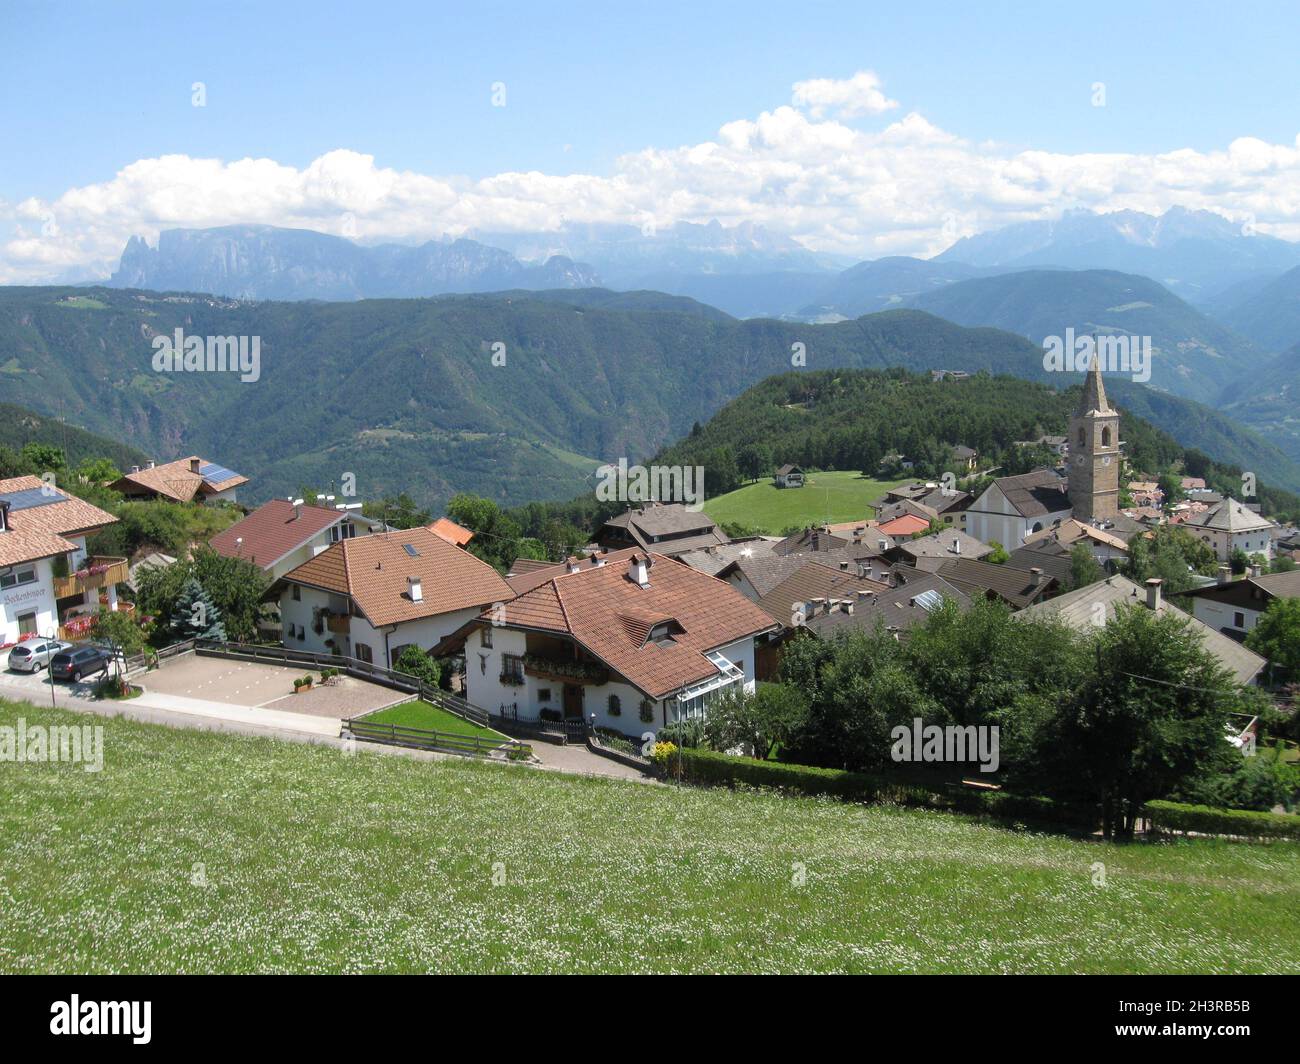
{"points": [[1094, 458]]}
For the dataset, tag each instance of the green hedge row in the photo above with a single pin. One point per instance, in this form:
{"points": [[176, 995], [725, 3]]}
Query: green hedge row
{"points": [[712, 768], [1174, 816]]}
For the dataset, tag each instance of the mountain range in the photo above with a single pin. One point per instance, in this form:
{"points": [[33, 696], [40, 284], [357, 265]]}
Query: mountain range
{"points": [[509, 395]]}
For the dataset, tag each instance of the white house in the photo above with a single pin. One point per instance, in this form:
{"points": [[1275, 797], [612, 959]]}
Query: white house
{"points": [[1013, 508], [370, 597], [184, 480], [625, 640], [281, 535], [1228, 526], [788, 476], [46, 577], [1233, 607]]}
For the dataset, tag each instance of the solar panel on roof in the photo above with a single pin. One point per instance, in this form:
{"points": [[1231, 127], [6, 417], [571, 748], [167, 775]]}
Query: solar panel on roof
{"points": [[410, 549], [929, 600], [29, 498], [215, 473]]}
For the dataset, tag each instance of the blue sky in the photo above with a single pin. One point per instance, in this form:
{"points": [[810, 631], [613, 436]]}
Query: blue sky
{"points": [[88, 89]]}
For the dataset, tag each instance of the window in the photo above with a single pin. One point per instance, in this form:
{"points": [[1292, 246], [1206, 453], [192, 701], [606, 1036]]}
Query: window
{"points": [[512, 669], [396, 652], [343, 530], [485, 637], [1083, 439], [647, 711], [20, 575], [543, 694], [27, 623], [1105, 436], [615, 706], [297, 593], [364, 654], [1239, 620]]}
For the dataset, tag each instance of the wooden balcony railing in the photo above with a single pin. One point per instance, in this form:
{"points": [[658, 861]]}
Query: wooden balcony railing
{"points": [[98, 572]]}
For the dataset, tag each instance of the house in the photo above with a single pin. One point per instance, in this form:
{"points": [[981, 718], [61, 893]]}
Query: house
{"points": [[789, 601], [809, 540], [1233, 606], [1018, 588], [966, 457], [1051, 557], [1084, 607], [911, 598], [1229, 526], [712, 560], [46, 577], [664, 528], [369, 597], [904, 525], [1013, 508], [946, 505], [788, 476], [185, 480], [1107, 548], [1192, 483], [283, 534], [756, 576], [1145, 493], [949, 374], [928, 552], [625, 640], [1058, 445]]}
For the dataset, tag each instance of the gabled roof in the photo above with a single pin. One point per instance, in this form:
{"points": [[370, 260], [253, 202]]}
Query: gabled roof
{"points": [[1072, 529], [904, 525], [809, 539], [1230, 516], [814, 580], [608, 614], [1053, 558], [177, 480], [691, 529], [1271, 585], [1017, 587], [765, 573], [40, 517], [712, 560], [274, 530], [897, 608], [1034, 494], [373, 571], [456, 535], [1078, 609], [787, 469], [950, 543]]}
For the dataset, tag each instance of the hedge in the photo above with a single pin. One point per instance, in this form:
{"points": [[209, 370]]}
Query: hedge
{"points": [[1207, 820], [711, 768]]}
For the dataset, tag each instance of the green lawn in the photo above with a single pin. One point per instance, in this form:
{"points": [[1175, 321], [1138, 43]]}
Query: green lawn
{"points": [[418, 714], [825, 497], [199, 851]]}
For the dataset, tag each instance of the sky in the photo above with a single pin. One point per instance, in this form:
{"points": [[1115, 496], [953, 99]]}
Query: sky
{"points": [[856, 128]]}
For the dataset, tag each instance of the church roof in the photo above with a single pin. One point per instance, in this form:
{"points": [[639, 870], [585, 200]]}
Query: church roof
{"points": [[1093, 400]]}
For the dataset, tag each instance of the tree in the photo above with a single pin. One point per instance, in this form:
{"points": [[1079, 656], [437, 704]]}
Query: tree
{"points": [[43, 458], [399, 511], [762, 720], [119, 630], [195, 615], [415, 662], [1150, 714], [1084, 569], [754, 460], [234, 586], [1276, 635], [998, 555]]}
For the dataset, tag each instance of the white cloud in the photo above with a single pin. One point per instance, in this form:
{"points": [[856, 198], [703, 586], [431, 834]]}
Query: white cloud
{"points": [[907, 188], [858, 95]]}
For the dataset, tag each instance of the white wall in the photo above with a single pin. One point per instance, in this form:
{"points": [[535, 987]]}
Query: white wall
{"points": [[1221, 614], [38, 596]]}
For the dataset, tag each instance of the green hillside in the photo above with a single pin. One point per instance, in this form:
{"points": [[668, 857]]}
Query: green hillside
{"points": [[412, 394], [825, 497], [251, 855], [19, 427]]}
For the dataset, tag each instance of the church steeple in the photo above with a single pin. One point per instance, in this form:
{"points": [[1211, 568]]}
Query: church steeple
{"points": [[1094, 451]]}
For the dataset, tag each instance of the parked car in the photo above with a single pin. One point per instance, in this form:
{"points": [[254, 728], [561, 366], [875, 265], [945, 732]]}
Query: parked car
{"points": [[79, 661], [34, 655]]}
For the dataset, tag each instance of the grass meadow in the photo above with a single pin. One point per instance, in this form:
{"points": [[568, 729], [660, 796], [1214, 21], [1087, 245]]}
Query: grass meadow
{"points": [[825, 498]]}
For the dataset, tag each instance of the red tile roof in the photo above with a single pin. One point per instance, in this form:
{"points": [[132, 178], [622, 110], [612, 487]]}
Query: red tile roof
{"points": [[40, 531], [272, 531], [373, 571], [453, 533], [176, 481], [610, 615]]}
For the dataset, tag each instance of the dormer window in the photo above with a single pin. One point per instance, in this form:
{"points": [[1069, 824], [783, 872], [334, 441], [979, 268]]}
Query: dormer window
{"points": [[663, 633]]}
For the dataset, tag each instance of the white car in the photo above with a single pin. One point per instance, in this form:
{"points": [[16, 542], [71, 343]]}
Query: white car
{"points": [[34, 655]]}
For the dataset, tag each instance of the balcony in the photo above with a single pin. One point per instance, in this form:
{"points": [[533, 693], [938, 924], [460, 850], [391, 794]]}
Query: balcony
{"points": [[98, 572], [339, 623], [566, 671]]}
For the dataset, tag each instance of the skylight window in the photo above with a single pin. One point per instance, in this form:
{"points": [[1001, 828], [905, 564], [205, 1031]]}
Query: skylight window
{"points": [[410, 549]]}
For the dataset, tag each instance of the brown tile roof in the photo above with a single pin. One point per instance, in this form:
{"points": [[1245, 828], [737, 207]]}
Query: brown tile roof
{"points": [[897, 608], [1036, 493], [373, 570], [808, 539], [176, 481], [765, 573], [813, 580], [1016, 587], [272, 531], [608, 615], [1073, 529], [456, 535], [40, 531], [945, 544]]}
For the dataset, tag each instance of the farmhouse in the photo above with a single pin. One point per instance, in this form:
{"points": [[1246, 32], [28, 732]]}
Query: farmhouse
{"points": [[1233, 607], [788, 476], [46, 577], [665, 528], [372, 596], [1085, 608], [929, 499], [622, 639], [280, 535], [1107, 547], [185, 480]]}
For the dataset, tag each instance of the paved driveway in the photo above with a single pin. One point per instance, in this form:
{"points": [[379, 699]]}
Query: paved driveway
{"points": [[258, 684]]}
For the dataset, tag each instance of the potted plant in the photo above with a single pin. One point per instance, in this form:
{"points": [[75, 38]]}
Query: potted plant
{"points": [[303, 683]]}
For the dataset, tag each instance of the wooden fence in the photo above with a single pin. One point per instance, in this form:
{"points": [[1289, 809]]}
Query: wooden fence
{"points": [[427, 739]]}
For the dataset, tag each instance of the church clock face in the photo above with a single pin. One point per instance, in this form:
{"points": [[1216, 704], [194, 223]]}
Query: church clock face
{"points": [[1078, 459]]}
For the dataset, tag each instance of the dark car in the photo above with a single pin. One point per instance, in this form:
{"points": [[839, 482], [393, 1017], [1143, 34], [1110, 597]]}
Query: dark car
{"points": [[79, 661]]}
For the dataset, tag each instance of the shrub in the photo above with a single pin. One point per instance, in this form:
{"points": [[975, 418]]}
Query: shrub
{"points": [[1174, 816], [415, 662]]}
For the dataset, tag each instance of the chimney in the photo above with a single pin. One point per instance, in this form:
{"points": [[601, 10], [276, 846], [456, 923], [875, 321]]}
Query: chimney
{"points": [[4, 517], [883, 544], [135, 469], [194, 465], [297, 509], [415, 588], [1037, 574], [571, 563], [846, 605], [1225, 574], [956, 545], [1153, 593], [639, 571], [597, 561], [152, 463]]}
